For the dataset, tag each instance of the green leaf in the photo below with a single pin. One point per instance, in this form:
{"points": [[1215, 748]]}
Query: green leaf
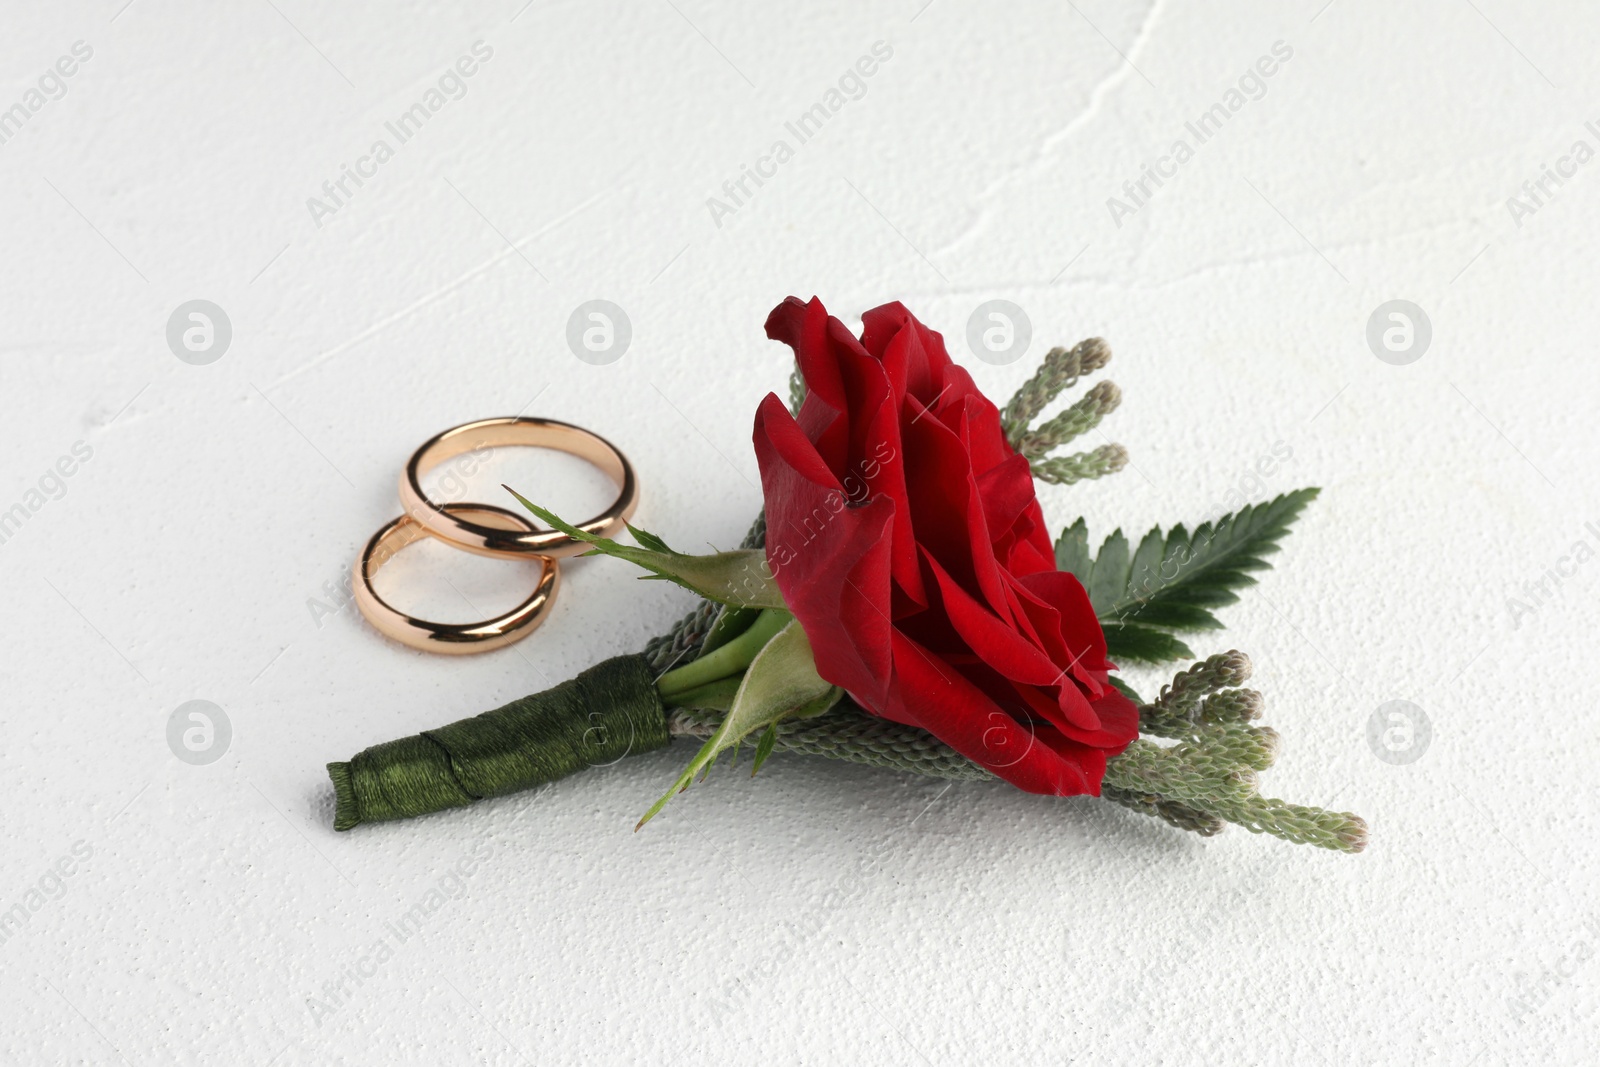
{"points": [[1170, 582], [649, 540], [741, 577], [1129, 641], [782, 682]]}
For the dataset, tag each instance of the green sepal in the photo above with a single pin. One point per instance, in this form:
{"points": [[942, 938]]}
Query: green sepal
{"points": [[781, 683], [741, 577], [729, 661], [764, 748], [730, 623]]}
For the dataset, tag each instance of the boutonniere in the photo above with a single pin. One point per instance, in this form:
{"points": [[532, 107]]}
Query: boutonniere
{"points": [[901, 603]]}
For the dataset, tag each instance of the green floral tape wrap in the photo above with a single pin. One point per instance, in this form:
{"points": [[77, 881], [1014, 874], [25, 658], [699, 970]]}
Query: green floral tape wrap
{"points": [[602, 715]]}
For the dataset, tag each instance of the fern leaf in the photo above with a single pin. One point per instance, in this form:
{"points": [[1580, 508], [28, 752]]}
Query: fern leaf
{"points": [[1072, 552], [1110, 575], [1130, 641], [1170, 582]]}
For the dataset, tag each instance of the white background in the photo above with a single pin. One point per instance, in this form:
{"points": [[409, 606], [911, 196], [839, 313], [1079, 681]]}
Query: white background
{"points": [[819, 913]]}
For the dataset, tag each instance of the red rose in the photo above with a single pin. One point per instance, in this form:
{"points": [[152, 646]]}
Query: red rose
{"points": [[904, 534]]}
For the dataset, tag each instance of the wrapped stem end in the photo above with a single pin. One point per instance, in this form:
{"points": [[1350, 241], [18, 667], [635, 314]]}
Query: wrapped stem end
{"points": [[346, 815], [609, 711]]}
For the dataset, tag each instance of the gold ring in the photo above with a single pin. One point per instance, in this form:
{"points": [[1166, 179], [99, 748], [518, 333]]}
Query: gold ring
{"points": [[487, 540], [449, 637]]}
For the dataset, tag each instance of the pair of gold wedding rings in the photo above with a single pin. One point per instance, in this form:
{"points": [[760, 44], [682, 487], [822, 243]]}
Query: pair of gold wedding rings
{"points": [[488, 531]]}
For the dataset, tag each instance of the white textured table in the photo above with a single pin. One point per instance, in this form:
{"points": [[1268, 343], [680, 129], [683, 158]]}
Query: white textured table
{"points": [[821, 913]]}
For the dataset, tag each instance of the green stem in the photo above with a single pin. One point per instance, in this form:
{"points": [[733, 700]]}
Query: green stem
{"points": [[724, 662]]}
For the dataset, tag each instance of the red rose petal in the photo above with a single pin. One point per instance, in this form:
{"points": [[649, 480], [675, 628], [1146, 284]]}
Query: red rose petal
{"points": [[829, 558], [1032, 756], [920, 349], [1079, 627], [1006, 490], [947, 512], [994, 642]]}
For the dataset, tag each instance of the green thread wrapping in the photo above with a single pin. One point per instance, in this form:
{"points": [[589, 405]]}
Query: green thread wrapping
{"points": [[602, 715]]}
